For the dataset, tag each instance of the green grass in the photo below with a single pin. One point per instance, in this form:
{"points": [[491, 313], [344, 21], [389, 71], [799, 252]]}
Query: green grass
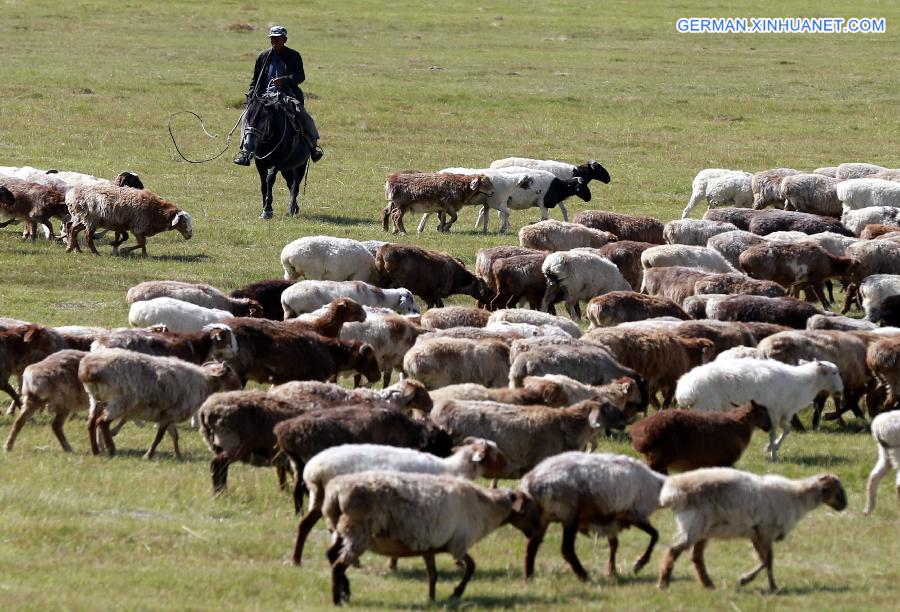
{"points": [[89, 86]]}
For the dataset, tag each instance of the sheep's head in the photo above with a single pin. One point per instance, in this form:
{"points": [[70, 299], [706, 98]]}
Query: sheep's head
{"points": [[487, 456], [591, 170], [348, 310], [482, 184], [184, 224], [435, 440], [223, 376], [604, 415], [410, 395], [406, 303], [129, 179], [6, 196], [249, 308], [525, 515], [224, 343], [365, 362], [580, 189], [832, 490], [479, 290], [760, 416]]}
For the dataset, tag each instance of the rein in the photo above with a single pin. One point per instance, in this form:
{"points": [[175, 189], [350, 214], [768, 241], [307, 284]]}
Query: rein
{"points": [[202, 127]]}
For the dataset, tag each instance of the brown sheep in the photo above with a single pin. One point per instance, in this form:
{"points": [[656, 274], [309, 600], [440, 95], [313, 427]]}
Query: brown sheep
{"points": [[616, 307], [455, 316], [424, 192], [626, 254], [33, 203], [625, 227], [518, 278]]}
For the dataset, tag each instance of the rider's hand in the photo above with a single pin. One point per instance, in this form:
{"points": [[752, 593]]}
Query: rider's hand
{"points": [[279, 81]]}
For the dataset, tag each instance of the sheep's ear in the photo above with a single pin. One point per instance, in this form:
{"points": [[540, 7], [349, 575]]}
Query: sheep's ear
{"points": [[176, 219], [474, 183], [29, 335], [518, 503], [735, 404], [802, 361], [480, 452]]}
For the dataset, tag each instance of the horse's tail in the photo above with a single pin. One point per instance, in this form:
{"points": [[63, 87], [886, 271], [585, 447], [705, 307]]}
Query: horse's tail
{"points": [[385, 215]]}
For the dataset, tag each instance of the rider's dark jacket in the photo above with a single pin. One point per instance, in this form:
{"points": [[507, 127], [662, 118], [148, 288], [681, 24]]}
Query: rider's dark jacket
{"points": [[294, 67]]}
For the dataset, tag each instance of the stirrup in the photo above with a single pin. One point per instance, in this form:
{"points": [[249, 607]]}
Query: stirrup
{"points": [[316, 154]]}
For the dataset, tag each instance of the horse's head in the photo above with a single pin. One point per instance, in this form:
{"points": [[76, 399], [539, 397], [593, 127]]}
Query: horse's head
{"points": [[258, 119]]}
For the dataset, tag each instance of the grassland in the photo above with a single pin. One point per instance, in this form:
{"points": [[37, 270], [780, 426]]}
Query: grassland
{"points": [[89, 86]]}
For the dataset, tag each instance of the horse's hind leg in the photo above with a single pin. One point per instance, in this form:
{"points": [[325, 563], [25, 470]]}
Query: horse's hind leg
{"points": [[293, 179], [266, 182]]}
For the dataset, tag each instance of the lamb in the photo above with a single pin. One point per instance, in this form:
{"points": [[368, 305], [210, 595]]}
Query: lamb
{"points": [[784, 389], [330, 320], [327, 258], [786, 220], [684, 255], [33, 203], [876, 230], [417, 514], [438, 362], [307, 296], [468, 461], [518, 278], [694, 231], [783, 311], [534, 317], [167, 390], [527, 434], [485, 258], [856, 220], [554, 390], [576, 276], [407, 395], [124, 210], [860, 193], [811, 193], [626, 254], [200, 294], [699, 186], [857, 170], [736, 283], [616, 307], [552, 235], [766, 187], [22, 344], [883, 360], [675, 283], [838, 323], [390, 335], [454, 316], [625, 227], [423, 192], [175, 315], [874, 289], [886, 431], [624, 393], [739, 217], [844, 350], [526, 330], [873, 257], [52, 383], [731, 244], [268, 294], [728, 503], [431, 275]]}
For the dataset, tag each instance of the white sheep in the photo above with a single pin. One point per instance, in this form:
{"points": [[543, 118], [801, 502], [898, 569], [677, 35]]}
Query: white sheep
{"points": [[468, 461], [526, 330], [577, 276], [438, 362], [874, 290], [730, 245], [534, 317], [886, 431], [783, 389], [390, 334], [176, 315], [826, 171], [766, 186], [604, 493], [200, 294], [857, 220], [811, 193], [855, 194], [553, 235], [328, 258], [307, 296], [165, 390], [694, 231], [546, 191], [728, 503], [685, 255], [857, 170], [720, 186]]}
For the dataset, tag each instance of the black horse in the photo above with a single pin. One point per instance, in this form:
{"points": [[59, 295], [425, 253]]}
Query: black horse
{"points": [[278, 145]]}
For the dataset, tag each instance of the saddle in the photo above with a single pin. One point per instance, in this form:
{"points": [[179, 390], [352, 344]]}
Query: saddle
{"points": [[291, 107]]}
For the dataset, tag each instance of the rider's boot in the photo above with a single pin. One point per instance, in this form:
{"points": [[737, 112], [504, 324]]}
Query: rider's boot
{"points": [[243, 158]]}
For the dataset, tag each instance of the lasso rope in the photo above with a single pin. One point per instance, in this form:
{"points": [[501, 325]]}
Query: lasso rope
{"points": [[202, 127]]}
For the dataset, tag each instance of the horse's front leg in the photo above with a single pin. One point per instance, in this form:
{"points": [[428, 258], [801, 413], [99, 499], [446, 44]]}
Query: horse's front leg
{"points": [[294, 186], [266, 182]]}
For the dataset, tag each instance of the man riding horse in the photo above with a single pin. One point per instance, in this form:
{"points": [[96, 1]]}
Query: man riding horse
{"points": [[279, 70]]}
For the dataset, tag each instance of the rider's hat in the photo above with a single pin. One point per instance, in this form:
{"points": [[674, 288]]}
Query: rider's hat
{"points": [[277, 30]]}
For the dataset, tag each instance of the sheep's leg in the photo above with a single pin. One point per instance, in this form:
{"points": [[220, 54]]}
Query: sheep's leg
{"points": [[764, 551], [398, 222], [881, 469], [28, 409], [16, 398], [49, 226], [72, 237], [545, 214], [829, 287], [785, 430], [570, 530], [118, 426], [386, 381], [160, 432], [107, 436], [531, 549], [467, 575], [303, 528], [89, 239], [422, 223], [218, 467], [141, 244], [668, 562], [818, 407], [298, 489], [340, 559], [94, 416], [613, 542], [432, 574], [647, 528], [695, 197], [448, 224], [565, 213], [817, 290], [504, 221], [173, 433], [57, 426], [700, 564], [849, 297]]}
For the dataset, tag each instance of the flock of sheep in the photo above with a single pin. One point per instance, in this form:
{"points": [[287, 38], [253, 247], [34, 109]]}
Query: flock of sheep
{"points": [[494, 391]]}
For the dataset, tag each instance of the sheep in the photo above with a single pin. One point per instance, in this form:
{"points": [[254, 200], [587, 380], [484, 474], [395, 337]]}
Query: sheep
{"points": [[728, 503], [873, 290], [890, 311], [485, 258], [52, 383], [506, 335], [603, 493], [787, 220], [675, 283], [390, 335], [33, 203], [267, 293], [534, 317], [124, 210], [590, 170], [167, 390], [694, 231], [783, 311], [684, 255], [873, 257], [626, 254], [731, 244], [193, 347], [827, 171], [624, 393], [22, 344], [625, 227], [307, 296], [431, 275], [576, 276], [454, 316], [886, 432], [468, 461], [735, 283], [699, 306], [855, 194], [660, 357], [857, 170], [844, 350], [547, 190], [811, 193], [175, 315], [883, 360], [784, 389], [766, 187], [410, 515], [407, 395], [552, 235], [739, 217], [876, 230], [330, 320], [732, 186], [616, 307], [438, 362], [527, 434], [838, 323], [327, 258], [518, 278], [423, 192], [200, 294], [856, 220], [724, 335]]}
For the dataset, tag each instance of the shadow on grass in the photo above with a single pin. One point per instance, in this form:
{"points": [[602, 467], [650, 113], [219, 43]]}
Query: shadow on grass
{"points": [[443, 601], [411, 572], [336, 220], [185, 258], [816, 460], [811, 589]]}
